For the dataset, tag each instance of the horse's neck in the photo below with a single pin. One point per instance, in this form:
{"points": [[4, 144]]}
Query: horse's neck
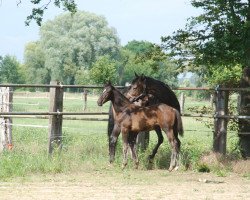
{"points": [[119, 101], [153, 87]]}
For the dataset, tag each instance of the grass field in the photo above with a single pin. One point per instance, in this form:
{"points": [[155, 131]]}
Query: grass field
{"points": [[85, 146]]}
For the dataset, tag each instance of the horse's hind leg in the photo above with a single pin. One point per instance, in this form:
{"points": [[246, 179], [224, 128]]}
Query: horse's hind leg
{"points": [[175, 149], [160, 140], [132, 143], [177, 144]]}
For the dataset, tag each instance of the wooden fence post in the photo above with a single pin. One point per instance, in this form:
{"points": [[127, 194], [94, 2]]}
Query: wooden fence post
{"points": [[85, 98], [182, 102], [6, 105], [55, 121], [220, 124]]}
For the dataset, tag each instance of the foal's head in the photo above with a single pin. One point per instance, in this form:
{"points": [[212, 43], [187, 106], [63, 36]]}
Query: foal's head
{"points": [[106, 94]]}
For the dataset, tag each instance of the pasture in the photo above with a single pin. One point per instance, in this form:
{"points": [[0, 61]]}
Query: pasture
{"points": [[83, 161]]}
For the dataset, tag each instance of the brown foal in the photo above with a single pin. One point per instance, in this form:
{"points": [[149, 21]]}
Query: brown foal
{"points": [[131, 119]]}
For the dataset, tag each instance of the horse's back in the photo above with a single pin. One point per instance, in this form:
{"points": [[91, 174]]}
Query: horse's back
{"points": [[163, 93]]}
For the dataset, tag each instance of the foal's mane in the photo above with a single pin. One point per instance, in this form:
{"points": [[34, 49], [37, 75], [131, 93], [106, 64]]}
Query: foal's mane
{"points": [[119, 100]]}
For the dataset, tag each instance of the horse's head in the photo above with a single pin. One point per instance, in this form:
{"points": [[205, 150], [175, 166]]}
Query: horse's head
{"points": [[106, 94], [137, 87]]}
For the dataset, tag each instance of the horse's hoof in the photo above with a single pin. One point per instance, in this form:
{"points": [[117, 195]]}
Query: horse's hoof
{"points": [[136, 165], [111, 165], [176, 168], [150, 159], [124, 166], [170, 169]]}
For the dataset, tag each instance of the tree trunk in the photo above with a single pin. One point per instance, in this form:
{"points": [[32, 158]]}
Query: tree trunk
{"points": [[244, 124], [247, 37]]}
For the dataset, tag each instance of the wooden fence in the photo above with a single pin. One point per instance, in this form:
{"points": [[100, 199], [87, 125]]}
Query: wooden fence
{"points": [[55, 113]]}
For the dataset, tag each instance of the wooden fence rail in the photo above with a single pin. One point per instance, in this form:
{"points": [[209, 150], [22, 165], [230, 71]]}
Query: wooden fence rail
{"points": [[55, 114]]}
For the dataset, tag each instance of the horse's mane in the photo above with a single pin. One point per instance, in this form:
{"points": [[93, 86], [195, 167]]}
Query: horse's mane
{"points": [[159, 90]]}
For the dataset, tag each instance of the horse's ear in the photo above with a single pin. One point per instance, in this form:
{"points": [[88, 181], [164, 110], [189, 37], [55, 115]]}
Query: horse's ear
{"points": [[108, 83], [136, 75], [142, 77]]}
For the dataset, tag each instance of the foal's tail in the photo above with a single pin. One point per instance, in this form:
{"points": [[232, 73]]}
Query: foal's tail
{"points": [[179, 123]]}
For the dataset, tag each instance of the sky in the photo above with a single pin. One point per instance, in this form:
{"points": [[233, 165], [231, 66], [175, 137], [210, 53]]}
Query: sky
{"points": [[133, 19]]}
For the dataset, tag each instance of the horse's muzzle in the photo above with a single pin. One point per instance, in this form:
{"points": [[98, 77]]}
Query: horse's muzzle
{"points": [[99, 103]]}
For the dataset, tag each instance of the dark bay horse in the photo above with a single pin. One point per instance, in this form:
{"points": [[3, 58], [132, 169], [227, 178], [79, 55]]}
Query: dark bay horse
{"points": [[131, 119], [158, 92], [142, 86]]}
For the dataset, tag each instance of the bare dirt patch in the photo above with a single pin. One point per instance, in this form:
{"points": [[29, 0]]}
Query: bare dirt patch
{"points": [[242, 166], [155, 184]]}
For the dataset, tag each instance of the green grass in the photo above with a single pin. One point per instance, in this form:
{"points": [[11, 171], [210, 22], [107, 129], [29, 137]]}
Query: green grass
{"points": [[85, 145]]}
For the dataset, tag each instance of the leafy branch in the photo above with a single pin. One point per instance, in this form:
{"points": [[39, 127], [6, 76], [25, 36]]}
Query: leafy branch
{"points": [[38, 12]]}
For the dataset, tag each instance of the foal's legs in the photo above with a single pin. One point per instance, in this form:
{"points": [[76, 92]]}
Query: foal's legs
{"points": [[113, 140], [160, 140], [132, 143], [125, 149]]}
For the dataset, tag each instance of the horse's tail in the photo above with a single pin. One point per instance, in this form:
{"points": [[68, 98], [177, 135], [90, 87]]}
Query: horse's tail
{"points": [[179, 123]]}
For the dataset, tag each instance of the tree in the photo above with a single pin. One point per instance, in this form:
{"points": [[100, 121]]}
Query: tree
{"points": [[9, 70], [34, 64], [218, 37], [147, 58], [71, 44], [103, 70], [215, 44], [41, 6]]}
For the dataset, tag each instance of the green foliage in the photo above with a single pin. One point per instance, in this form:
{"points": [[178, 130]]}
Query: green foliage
{"points": [[228, 76], [82, 77], [10, 70], [34, 64], [218, 39], [147, 58], [37, 13], [69, 46], [103, 70], [203, 168], [139, 47]]}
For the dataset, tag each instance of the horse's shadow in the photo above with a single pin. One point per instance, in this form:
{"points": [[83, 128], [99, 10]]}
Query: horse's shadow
{"points": [[161, 160]]}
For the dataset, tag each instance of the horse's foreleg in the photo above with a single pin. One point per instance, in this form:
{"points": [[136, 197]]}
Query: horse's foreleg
{"points": [[132, 141], [160, 141], [112, 144], [125, 149]]}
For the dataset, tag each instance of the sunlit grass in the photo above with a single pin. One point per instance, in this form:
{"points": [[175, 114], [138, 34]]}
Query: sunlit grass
{"points": [[85, 145]]}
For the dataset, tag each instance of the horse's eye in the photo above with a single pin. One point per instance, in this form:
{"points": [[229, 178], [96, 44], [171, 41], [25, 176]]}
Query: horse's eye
{"points": [[135, 87]]}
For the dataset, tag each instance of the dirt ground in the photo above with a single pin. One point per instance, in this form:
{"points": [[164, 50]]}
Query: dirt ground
{"points": [[155, 184]]}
